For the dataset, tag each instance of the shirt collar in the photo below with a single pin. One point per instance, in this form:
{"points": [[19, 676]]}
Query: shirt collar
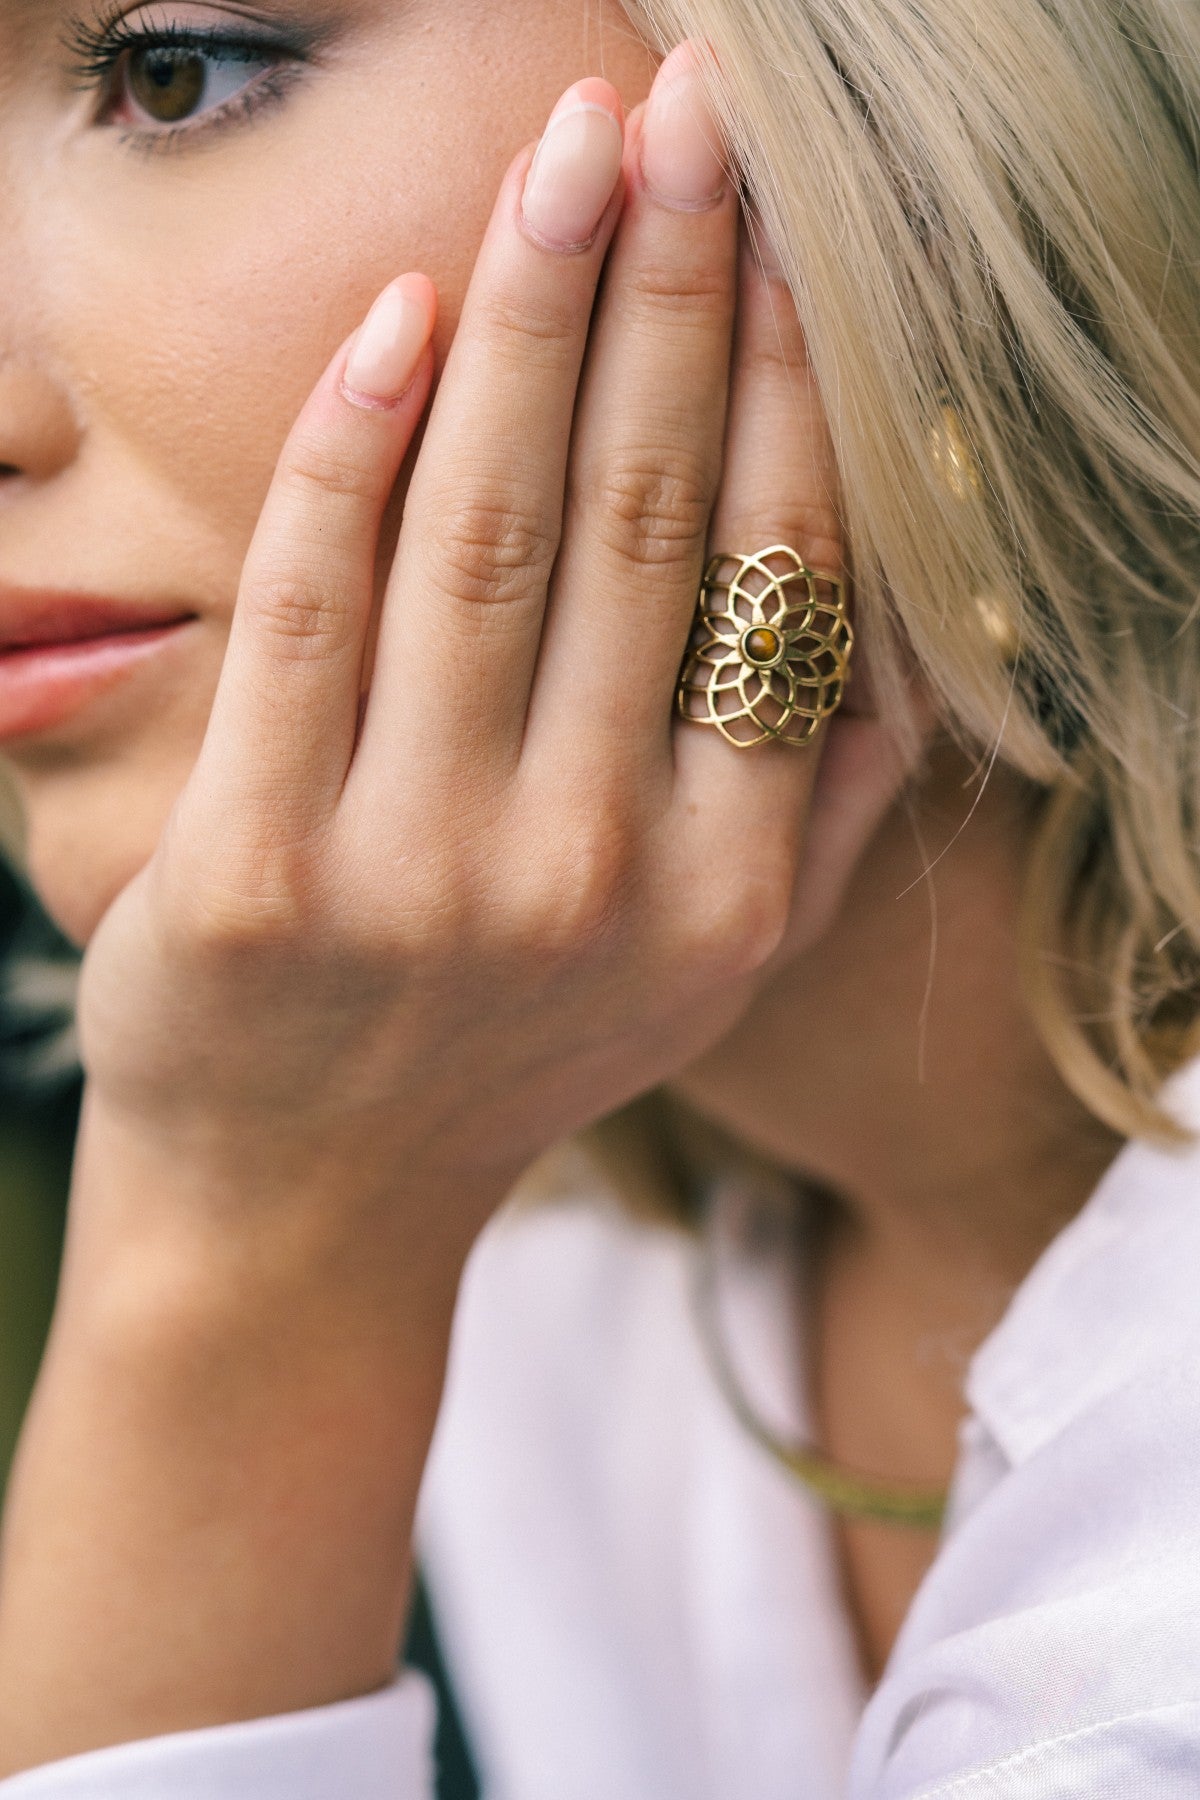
{"points": [[1115, 1291]]}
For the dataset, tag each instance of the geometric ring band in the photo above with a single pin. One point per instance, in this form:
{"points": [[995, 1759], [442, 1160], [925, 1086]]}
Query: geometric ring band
{"points": [[769, 654]]}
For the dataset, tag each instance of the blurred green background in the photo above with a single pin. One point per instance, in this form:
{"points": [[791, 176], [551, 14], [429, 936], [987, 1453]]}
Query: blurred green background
{"points": [[38, 1118], [37, 1130]]}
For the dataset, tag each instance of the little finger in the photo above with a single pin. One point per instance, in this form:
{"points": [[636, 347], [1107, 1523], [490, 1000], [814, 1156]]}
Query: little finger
{"points": [[282, 729]]}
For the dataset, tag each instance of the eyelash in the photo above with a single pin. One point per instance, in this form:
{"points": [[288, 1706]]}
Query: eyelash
{"points": [[95, 51]]}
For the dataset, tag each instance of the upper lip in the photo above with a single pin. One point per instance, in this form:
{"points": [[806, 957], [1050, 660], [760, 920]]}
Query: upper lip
{"points": [[31, 616]]}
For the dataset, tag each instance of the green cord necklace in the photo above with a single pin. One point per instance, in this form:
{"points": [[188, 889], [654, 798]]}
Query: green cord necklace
{"points": [[845, 1491]]}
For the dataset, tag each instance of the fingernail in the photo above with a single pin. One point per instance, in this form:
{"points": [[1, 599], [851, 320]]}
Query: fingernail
{"points": [[575, 167], [681, 141], [390, 342]]}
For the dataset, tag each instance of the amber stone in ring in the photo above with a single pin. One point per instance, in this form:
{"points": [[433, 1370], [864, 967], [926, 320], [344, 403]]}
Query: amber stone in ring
{"points": [[762, 645], [749, 606]]}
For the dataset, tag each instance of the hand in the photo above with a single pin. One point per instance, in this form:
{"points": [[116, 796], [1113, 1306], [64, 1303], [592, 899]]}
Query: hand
{"points": [[426, 943], [376, 964]]}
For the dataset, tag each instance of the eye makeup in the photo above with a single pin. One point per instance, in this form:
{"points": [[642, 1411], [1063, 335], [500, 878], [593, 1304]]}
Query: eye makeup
{"points": [[189, 79]]}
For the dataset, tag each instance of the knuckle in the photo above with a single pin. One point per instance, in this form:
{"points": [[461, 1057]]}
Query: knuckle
{"points": [[590, 885], [305, 615], [813, 530], [494, 551], [679, 293], [523, 328], [603, 862], [327, 471], [741, 930], [777, 354], [654, 514], [266, 901]]}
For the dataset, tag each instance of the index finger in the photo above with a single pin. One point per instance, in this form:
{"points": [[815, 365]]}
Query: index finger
{"points": [[463, 614]]}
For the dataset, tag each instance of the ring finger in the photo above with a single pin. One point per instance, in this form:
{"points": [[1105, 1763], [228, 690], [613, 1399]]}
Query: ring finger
{"points": [[779, 487]]}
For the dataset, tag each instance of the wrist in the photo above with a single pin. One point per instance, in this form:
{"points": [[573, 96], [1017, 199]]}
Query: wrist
{"points": [[380, 1237], [219, 1472]]}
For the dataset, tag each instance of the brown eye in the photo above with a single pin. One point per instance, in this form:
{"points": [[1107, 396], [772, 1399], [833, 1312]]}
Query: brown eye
{"points": [[167, 83], [164, 84]]}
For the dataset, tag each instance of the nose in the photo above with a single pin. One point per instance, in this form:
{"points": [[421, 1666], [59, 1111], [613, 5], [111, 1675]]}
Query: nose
{"points": [[39, 434]]}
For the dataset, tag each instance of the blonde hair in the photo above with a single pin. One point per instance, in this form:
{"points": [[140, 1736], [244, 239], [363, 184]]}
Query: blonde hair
{"points": [[995, 205]]}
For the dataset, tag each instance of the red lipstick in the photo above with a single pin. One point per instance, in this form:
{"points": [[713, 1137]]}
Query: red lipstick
{"points": [[59, 650]]}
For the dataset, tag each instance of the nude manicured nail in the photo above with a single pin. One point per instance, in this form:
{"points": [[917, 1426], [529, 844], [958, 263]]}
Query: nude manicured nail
{"points": [[391, 339], [681, 141], [574, 169]]}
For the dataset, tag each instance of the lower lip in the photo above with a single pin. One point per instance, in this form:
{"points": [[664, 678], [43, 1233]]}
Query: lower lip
{"points": [[43, 684]]}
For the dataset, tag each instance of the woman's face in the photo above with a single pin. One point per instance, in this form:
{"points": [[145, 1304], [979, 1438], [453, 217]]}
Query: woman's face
{"points": [[169, 294]]}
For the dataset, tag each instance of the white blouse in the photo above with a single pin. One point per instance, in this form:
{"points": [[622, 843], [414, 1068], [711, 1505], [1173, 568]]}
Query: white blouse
{"points": [[637, 1603]]}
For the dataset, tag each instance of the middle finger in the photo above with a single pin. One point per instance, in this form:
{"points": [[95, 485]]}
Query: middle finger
{"points": [[646, 450]]}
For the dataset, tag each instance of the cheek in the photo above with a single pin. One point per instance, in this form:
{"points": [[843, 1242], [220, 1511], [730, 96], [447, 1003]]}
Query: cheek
{"points": [[203, 304], [95, 800], [86, 837], [206, 288], [196, 297], [248, 277]]}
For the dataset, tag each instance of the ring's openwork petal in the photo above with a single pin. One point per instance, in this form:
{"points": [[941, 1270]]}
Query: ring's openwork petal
{"points": [[769, 655]]}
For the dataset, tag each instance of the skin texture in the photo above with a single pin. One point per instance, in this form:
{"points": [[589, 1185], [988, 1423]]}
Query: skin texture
{"points": [[173, 317]]}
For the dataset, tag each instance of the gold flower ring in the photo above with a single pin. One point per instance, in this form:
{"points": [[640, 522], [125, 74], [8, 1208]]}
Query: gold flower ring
{"points": [[769, 654]]}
